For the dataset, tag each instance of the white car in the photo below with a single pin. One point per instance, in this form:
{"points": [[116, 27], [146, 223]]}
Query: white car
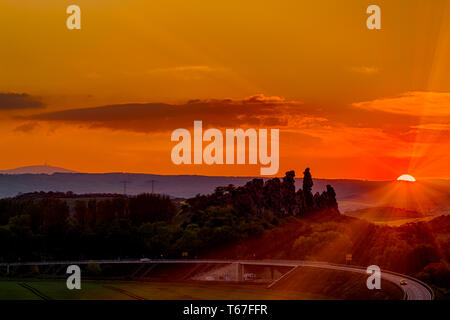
{"points": [[145, 260], [403, 282]]}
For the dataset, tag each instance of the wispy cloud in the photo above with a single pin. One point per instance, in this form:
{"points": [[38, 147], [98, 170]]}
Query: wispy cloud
{"points": [[199, 68], [26, 127], [187, 72], [14, 101], [433, 126], [417, 103], [365, 70]]}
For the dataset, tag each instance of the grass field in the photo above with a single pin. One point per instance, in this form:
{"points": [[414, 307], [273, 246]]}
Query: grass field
{"points": [[26, 289]]}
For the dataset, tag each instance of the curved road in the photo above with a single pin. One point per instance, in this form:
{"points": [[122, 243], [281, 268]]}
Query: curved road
{"points": [[414, 290]]}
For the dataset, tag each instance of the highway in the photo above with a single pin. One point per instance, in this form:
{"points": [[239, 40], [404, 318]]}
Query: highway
{"points": [[413, 290]]}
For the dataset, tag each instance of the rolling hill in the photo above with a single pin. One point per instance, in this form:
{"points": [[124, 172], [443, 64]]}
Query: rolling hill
{"points": [[45, 169], [430, 197]]}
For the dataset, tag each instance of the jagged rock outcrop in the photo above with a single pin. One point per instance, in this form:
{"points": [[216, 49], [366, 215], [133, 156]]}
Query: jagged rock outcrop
{"points": [[280, 197], [307, 189]]}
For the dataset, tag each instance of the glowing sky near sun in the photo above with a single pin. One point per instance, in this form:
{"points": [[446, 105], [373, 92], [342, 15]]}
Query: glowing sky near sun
{"points": [[349, 102], [406, 177]]}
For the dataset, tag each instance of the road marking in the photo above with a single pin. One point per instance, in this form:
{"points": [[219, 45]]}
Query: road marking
{"points": [[35, 291], [125, 292], [284, 276]]}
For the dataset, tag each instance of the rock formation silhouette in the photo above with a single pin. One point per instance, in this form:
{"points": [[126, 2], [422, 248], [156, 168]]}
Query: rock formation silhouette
{"points": [[280, 197], [307, 189]]}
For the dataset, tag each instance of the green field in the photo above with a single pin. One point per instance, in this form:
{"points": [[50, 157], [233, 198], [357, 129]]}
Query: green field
{"points": [[26, 289]]}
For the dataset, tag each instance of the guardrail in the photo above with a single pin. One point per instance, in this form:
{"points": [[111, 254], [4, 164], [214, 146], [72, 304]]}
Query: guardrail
{"points": [[430, 290]]}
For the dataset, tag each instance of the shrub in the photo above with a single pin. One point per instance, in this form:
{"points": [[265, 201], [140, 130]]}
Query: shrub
{"points": [[93, 269]]}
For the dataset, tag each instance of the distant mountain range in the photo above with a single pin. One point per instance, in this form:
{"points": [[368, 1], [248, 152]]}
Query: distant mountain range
{"points": [[428, 197], [45, 169]]}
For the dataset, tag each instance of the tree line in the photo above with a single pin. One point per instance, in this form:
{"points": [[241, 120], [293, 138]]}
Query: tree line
{"points": [[54, 225]]}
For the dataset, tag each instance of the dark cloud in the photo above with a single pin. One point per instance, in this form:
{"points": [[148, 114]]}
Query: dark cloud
{"points": [[256, 111], [26, 127], [14, 101]]}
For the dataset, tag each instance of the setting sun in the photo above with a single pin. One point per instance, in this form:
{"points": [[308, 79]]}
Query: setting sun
{"points": [[406, 177]]}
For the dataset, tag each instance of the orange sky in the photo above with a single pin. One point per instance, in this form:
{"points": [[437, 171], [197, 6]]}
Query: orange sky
{"points": [[349, 102]]}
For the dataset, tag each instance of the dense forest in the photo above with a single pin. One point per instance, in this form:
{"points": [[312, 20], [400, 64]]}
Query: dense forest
{"points": [[262, 219], [55, 225]]}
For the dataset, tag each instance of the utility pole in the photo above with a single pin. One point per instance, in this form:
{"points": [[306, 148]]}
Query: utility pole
{"points": [[125, 187], [153, 185]]}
